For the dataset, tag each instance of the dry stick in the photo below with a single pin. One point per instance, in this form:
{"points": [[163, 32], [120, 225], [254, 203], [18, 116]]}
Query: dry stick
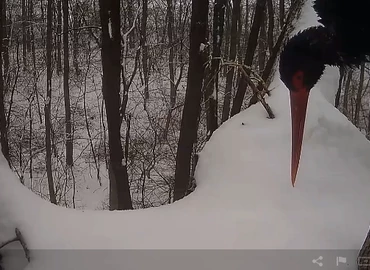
{"points": [[255, 74], [23, 243], [19, 237], [260, 97], [15, 239]]}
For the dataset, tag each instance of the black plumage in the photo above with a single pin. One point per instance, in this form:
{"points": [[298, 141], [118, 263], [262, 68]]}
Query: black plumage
{"points": [[342, 40]]}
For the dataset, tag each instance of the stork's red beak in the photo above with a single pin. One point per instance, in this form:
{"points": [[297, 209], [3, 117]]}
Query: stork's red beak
{"points": [[298, 104]]}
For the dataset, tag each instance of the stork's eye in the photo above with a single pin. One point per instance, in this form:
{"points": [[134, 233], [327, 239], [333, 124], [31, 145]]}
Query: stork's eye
{"points": [[297, 80], [298, 76]]}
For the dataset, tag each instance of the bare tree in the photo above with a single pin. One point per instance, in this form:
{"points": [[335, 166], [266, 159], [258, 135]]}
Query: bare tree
{"points": [[211, 95], [111, 62], [270, 31], [346, 93], [235, 26], [24, 36], [339, 91], [47, 107], [251, 48], [58, 36], [262, 44], [171, 57], [144, 46], [76, 31], [281, 12], [191, 112], [359, 95], [67, 101], [3, 122]]}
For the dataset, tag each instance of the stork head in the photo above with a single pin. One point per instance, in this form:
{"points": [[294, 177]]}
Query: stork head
{"points": [[302, 63]]}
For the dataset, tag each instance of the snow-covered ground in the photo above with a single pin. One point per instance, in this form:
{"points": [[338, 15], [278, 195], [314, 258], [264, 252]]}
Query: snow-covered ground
{"points": [[244, 200]]}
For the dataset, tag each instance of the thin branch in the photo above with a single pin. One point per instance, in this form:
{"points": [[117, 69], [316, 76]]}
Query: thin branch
{"points": [[18, 237], [244, 70], [15, 239]]}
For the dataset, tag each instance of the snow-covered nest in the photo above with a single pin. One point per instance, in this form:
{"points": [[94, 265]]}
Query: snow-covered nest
{"points": [[244, 200]]}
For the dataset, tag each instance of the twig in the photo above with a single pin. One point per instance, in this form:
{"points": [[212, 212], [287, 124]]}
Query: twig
{"points": [[19, 237], [23, 243], [15, 239], [244, 69]]}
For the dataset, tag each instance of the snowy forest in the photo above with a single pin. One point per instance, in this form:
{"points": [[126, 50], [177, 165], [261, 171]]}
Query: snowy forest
{"points": [[110, 105], [159, 109]]}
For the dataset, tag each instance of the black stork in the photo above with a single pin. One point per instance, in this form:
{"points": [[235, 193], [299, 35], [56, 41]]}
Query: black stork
{"points": [[342, 40]]}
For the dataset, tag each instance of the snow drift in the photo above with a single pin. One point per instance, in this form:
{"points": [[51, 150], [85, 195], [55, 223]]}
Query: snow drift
{"points": [[244, 200]]}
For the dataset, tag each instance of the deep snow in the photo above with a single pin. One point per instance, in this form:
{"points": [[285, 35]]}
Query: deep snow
{"points": [[244, 200]]}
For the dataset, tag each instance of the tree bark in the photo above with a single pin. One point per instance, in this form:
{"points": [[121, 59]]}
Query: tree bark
{"points": [[67, 101], [262, 45], [24, 35], [3, 122], [270, 31], [211, 95], [249, 55], [5, 41], [227, 34], [235, 26], [144, 48], [59, 33], [75, 44], [47, 107], [193, 96], [171, 59], [281, 13], [111, 62], [346, 93], [359, 95], [339, 91], [246, 31]]}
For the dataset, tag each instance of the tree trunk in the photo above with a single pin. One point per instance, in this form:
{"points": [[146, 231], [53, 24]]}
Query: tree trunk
{"points": [[251, 48], [171, 65], [111, 62], [67, 101], [171, 59], [3, 124], [211, 95], [339, 91], [270, 31], [24, 35], [5, 41], [47, 107], [281, 13], [75, 44], [144, 48], [227, 34], [363, 260], [233, 44], [346, 93], [359, 95], [246, 30], [193, 96], [262, 45], [267, 71], [59, 33]]}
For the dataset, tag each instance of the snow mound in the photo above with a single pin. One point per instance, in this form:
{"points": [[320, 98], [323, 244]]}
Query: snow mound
{"points": [[244, 200]]}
